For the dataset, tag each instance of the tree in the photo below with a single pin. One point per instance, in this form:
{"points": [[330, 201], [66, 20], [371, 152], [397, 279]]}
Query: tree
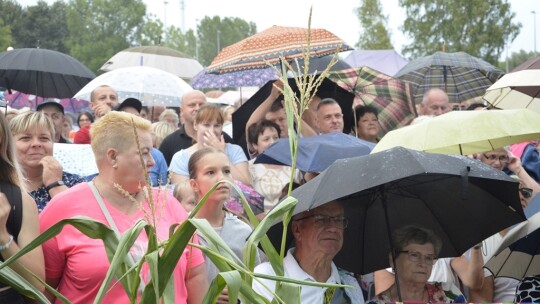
{"points": [[98, 29], [516, 59], [477, 27], [375, 35], [216, 33], [43, 26], [5, 36], [152, 32]]}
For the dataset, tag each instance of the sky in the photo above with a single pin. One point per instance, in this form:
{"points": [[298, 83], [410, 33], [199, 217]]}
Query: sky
{"points": [[336, 16]]}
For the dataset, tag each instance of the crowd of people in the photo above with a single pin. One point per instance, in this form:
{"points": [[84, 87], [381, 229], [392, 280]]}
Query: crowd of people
{"points": [[189, 152]]}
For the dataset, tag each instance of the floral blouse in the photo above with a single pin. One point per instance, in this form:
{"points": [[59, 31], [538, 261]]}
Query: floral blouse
{"points": [[437, 293], [41, 196]]}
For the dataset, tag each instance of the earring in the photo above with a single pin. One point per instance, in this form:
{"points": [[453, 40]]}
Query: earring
{"points": [[115, 165]]}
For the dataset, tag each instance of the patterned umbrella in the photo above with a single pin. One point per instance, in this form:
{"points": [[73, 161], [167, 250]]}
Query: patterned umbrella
{"points": [[268, 46], [19, 100], [461, 75], [159, 57], [153, 87], [392, 97], [237, 79]]}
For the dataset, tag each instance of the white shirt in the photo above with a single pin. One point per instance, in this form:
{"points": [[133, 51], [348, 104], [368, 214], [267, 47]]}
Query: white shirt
{"points": [[308, 294]]}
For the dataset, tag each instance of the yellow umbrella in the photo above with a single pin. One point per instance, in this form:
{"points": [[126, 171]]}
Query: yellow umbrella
{"points": [[466, 132]]}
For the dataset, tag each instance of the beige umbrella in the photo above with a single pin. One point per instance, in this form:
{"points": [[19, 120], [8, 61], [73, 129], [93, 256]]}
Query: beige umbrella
{"points": [[158, 57], [516, 90]]}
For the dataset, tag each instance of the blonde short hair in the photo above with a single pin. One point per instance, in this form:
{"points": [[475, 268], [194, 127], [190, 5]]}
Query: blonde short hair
{"points": [[161, 130], [166, 112], [115, 130], [29, 120]]}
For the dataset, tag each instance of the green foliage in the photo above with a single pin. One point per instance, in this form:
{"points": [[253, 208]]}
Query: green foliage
{"points": [[5, 35], [152, 32], [517, 58], [226, 31], [375, 34], [98, 29], [42, 26], [477, 27]]}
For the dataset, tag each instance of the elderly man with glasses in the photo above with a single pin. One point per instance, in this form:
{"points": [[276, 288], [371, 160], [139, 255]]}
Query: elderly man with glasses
{"points": [[318, 235]]}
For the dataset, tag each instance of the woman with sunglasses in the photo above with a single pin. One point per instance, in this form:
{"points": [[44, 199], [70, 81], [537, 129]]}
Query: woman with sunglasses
{"points": [[416, 250]]}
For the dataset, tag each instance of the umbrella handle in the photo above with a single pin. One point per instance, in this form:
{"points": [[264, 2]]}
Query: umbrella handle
{"points": [[392, 252]]}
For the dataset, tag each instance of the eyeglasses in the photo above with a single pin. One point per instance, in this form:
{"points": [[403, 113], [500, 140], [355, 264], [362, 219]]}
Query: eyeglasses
{"points": [[322, 220], [526, 192], [503, 159], [415, 257]]}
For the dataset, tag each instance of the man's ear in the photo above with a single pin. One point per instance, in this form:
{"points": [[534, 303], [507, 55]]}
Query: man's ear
{"points": [[295, 230]]}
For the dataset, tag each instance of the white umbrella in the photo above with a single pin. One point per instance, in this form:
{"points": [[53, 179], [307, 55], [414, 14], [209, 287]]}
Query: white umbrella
{"points": [[516, 90], [159, 57], [153, 87]]}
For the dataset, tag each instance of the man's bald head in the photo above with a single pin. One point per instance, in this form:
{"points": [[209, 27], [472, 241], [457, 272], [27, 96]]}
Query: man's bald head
{"points": [[435, 102]]}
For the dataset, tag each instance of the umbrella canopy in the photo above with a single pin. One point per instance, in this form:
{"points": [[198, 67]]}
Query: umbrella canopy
{"points": [[153, 87], [159, 57], [268, 46], [315, 153], [516, 90], [390, 96], [465, 132], [20, 100], [533, 63], [462, 200], [327, 88], [518, 255], [42, 72], [461, 75], [237, 79], [388, 62]]}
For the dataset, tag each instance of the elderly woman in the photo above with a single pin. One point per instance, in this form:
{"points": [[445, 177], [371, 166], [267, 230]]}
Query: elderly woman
{"points": [[43, 174], [117, 197], [416, 250], [19, 216], [367, 123]]}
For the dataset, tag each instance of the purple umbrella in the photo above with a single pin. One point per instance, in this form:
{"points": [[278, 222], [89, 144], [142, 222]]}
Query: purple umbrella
{"points": [[245, 78], [19, 100]]}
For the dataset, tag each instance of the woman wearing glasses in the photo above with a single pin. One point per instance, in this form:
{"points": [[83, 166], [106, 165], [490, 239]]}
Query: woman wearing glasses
{"points": [[416, 251]]}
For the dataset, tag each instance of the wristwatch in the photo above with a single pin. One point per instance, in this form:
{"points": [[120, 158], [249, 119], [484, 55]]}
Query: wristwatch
{"points": [[55, 184]]}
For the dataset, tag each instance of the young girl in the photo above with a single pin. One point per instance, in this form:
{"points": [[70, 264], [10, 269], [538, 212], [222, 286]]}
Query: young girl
{"points": [[208, 166]]}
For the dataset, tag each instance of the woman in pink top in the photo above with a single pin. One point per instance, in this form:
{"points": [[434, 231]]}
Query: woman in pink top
{"points": [[75, 264]]}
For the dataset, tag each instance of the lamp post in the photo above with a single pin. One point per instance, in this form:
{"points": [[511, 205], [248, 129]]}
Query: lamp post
{"points": [[165, 14], [534, 28], [218, 42], [197, 40]]}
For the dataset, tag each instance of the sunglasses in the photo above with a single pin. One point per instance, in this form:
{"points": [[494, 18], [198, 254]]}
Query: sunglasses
{"points": [[526, 192]]}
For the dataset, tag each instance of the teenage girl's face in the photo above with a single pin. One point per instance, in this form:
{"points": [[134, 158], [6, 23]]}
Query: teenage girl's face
{"points": [[267, 138], [212, 168]]}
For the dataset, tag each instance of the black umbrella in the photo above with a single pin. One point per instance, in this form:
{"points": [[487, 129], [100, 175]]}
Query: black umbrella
{"points": [[462, 200], [43, 73], [327, 89]]}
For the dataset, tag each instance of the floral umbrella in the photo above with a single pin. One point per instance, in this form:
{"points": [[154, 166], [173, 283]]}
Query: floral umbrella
{"points": [[268, 46], [237, 79], [19, 100], [390, 96]]}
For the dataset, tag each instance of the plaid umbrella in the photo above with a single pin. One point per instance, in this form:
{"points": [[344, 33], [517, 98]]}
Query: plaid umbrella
{"points": [[268, 46], [461, 75], [158, 57], [392, 97], [237, 79]]}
